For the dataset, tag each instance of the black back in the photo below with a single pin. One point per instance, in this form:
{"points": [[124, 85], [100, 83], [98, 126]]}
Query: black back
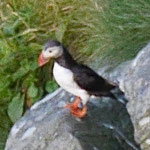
{"points": [[51, 43], [89, 80], [84, 76]]}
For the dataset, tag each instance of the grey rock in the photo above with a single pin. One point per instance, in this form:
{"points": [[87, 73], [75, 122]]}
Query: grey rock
{"points": [[48, 126], [107, 126], [135, 82]]}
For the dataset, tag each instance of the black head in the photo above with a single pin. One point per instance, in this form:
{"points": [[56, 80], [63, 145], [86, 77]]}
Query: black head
{"points": [[52, 43], [51, 49]]}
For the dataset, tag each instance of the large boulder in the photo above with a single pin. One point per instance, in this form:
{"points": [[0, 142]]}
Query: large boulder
{"points": [[48, 126], [107, 126], [135, 82]]}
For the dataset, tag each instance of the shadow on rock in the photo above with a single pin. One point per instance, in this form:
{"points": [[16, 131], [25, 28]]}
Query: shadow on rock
{"points": [[106, 127]]}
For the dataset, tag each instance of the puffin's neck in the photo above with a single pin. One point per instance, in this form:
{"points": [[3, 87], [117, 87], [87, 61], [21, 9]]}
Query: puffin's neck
{"points": [[65, 60]]}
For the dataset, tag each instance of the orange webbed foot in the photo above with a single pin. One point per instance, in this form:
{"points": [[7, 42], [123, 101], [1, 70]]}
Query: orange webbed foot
{"points": [[79, 113], [75, 110], [74, 105]]}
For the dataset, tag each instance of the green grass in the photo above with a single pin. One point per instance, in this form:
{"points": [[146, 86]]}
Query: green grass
{"points": [[99, 33]]}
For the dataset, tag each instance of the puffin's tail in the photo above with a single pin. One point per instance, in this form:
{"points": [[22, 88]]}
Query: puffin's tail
{"points": [[120, 98]]}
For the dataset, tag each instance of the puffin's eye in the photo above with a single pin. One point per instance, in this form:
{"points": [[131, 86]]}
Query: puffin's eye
{"points": [[50, 51]]}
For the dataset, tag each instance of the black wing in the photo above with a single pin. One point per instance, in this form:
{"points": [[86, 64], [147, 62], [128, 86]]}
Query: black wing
{"points": [[89, 80]]}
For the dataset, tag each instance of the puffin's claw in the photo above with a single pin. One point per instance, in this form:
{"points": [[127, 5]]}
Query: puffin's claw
{"points": [[76, 108], [79, 113], [80, 105]]}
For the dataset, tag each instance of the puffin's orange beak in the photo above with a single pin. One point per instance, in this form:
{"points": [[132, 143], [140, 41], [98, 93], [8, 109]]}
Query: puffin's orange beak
{"points": [[41, 60]]}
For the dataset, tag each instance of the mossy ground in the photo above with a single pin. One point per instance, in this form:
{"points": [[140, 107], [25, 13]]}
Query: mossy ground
{"points": [[99, 32]]}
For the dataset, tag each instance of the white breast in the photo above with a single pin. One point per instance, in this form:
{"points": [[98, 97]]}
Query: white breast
{"points": [[64, 78]]}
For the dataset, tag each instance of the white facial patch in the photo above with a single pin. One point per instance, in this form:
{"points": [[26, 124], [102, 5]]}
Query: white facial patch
{"points": [[52, 52]]}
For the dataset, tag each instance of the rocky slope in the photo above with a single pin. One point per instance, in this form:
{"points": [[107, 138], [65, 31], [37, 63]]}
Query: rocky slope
{"points": [[107, 126], [48, 126]]}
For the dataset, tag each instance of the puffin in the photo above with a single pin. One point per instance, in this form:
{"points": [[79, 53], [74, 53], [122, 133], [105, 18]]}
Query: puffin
{"points": [[77, 79]]}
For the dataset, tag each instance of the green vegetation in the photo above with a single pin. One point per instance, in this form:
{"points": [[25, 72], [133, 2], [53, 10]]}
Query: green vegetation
{"points": [[97, 32]]}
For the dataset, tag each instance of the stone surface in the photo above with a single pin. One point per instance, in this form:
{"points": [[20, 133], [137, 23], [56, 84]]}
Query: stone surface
{"points": [[107, 126], [135, 82], [48, 126]]}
